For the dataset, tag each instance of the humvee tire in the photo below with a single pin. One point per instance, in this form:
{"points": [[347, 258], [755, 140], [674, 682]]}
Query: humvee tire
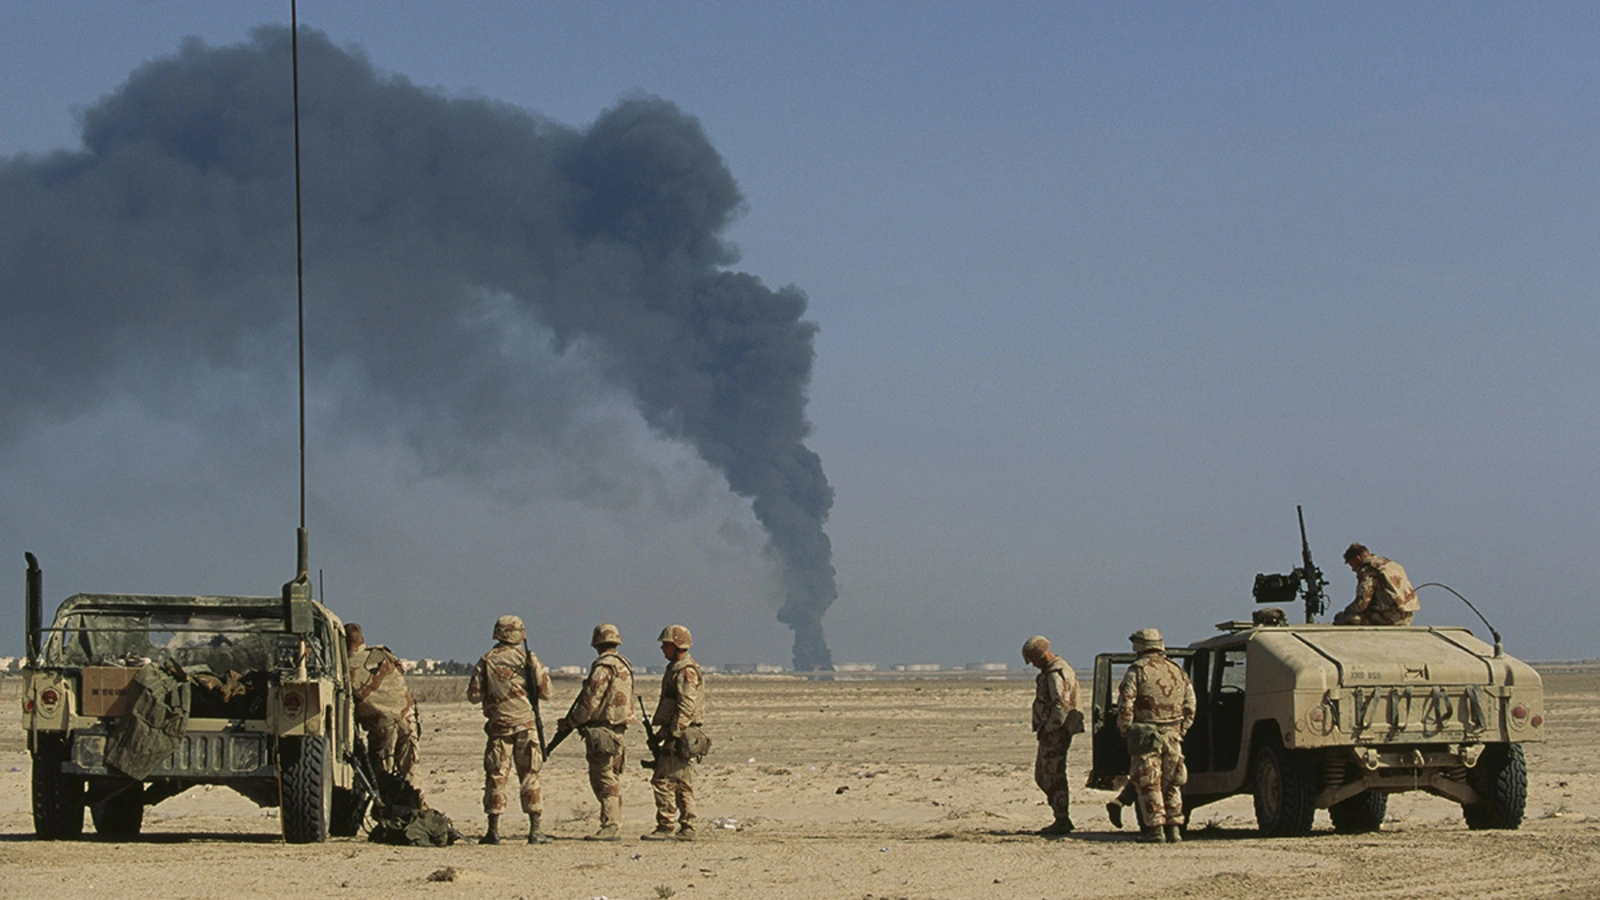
{"points": [[57, 796], [1501, 778], [1360, 814], [121, 814], [306, 782], [1285, 791]]}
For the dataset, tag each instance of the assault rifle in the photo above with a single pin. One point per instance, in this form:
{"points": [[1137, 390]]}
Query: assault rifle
{"points": [[531, 677], [1307, 580], [651, 738]]}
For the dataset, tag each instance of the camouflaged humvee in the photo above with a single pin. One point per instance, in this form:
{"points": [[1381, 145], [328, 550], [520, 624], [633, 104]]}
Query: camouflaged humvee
{"points": [[248, 692], [1309, 717]]}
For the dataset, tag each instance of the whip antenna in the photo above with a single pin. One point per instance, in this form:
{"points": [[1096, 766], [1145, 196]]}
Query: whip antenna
{"points": [[297, 593]]}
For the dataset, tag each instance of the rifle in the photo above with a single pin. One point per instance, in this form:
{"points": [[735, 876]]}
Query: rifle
{"points": [[561, 735], [532, 679], [651, 738]]}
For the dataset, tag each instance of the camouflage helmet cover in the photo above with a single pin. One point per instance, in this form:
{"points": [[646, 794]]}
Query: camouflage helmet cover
{"points": [[676, 635], [1147, 639], [1035, 647], [605, 633], [509, 629]]}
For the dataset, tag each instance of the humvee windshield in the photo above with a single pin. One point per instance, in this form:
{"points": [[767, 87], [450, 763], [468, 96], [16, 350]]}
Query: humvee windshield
{"points": [[219, 642]]}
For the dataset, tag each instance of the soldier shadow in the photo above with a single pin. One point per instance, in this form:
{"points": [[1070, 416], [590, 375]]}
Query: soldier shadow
{"points": [[170, 837], [1113, 836]]}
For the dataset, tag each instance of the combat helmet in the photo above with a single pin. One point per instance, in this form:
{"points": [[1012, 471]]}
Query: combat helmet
{"points": [[676, 635], [353, 640], [605, 633], [509, 629], [1147, 639], [1035, 648]]}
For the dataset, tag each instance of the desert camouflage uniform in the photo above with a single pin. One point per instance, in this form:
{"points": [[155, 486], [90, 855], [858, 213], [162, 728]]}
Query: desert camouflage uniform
{"points": [[385, 708], [602, 712], [1055, 697], [1384, 595], [682, 704], [499, 682], [1156, 691]]}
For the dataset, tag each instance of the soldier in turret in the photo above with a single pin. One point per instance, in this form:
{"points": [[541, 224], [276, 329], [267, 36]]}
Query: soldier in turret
{"points": [[384, 705], [679, 715], [502, 682], [1384, 595], [1155, 707], [1056, 718], [601, 713]]}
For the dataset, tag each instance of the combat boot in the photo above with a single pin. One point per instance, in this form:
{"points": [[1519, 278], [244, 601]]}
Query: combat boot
{"points": [[662, 833], [1174, 833], [1057, 828], [536, 834], [1114, 812], [492, 836], [687, 833], [606, 833], [1152, 835]]}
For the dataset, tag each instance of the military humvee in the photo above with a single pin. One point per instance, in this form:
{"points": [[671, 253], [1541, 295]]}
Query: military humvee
{"points": [[1309, 717], [253, 694]]}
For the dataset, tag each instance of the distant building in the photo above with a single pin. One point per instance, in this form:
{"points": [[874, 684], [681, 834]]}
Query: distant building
{"points": [[916, 667], [569, 670], [751, 669], [986, 667], [855, 667]]}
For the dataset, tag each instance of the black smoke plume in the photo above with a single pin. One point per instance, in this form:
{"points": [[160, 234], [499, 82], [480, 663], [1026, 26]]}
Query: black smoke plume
{"points": [[439, 232]]}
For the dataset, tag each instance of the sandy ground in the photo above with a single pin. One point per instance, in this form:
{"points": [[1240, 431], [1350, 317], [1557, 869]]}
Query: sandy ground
{"points": [[867, 790]]}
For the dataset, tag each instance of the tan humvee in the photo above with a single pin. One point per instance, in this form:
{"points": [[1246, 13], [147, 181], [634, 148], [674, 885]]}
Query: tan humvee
{"points": [[267, 708], [1309, 717]]}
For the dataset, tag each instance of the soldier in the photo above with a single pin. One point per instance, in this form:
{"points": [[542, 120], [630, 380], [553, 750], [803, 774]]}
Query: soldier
{"points": [[1384, 595], [680, 709], [384, 705], [501, 682], [1056, 718], [602, 712], [1155, 707]]}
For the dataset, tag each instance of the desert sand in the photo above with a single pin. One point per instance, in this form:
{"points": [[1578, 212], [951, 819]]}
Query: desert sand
{"points": [[835, 789]]}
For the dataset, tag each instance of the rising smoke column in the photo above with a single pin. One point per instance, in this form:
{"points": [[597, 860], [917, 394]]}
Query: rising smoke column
{"points": [[435, 228]]}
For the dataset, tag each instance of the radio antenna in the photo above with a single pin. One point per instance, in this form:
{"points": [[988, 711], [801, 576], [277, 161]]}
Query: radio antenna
{"points": [[297, 593], [302, 553]]}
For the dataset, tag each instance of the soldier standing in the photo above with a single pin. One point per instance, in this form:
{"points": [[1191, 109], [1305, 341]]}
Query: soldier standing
{"points": [[602, 712], [1056, 719], [681, 708], [502, 682], [1384, 595], [1155, 707], [384, 705]]}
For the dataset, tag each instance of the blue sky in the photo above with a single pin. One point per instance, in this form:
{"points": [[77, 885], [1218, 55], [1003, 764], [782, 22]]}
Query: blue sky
{"points": [[1103, 293]]}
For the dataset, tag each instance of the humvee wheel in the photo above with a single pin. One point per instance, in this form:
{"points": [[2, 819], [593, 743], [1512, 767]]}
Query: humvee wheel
{"points": [[305, 781], [1359, 814], [1285, 791], [1501, 778], [57, 796], [121, 814]]}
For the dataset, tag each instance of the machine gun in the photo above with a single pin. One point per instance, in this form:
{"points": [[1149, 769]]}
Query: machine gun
{"points": [[1306, 581], [651, 738]]}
